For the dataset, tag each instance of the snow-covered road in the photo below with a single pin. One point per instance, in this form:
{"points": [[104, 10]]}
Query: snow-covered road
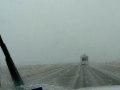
{"points": [[76, 76]]}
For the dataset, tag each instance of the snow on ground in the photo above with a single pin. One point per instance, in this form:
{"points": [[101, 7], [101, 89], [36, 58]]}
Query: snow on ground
{"points": [[25, 71]]}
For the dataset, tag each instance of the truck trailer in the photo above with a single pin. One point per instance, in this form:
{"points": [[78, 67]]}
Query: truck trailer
{"points": [[84, 60]]}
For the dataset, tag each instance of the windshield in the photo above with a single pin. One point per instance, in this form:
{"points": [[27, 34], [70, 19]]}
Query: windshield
{"points": [[65, 44]]}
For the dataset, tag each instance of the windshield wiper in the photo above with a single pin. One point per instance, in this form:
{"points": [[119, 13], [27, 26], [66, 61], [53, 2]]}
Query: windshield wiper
{"points": [[13, 70]]}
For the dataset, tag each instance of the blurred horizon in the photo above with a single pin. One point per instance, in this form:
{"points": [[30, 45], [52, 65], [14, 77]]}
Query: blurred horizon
{"points": [[60, 31]]}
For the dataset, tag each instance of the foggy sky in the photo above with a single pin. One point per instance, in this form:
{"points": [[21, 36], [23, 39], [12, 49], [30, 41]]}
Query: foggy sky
{"points": [[54, 31]]}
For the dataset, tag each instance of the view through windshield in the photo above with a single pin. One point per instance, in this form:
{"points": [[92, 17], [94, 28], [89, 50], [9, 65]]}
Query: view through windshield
{"points": [[62, 44]]}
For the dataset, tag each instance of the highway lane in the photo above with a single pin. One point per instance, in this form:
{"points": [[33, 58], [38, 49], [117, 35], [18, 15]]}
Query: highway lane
{"points": [[29, 80], [111, 69], [76, 76], [46, 76]]}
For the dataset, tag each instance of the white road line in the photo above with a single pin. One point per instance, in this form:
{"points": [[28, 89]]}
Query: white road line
{"points": [[45, 73], [108, 72], [75, 78], [50, 74]]}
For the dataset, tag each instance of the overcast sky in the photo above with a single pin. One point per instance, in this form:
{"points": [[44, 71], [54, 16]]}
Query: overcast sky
{"points": [[51, 31]]}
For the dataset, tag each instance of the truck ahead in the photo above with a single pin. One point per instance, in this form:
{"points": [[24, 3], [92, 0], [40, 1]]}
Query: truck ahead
{"points": [[84, 60]]}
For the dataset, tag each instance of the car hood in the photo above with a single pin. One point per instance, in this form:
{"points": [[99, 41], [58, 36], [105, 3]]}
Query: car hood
{"points": [[116, 87], [53, 87]]}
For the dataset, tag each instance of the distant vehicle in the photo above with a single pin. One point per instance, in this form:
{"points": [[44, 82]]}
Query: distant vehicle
{"points": [[84, 60], [19, 84]]}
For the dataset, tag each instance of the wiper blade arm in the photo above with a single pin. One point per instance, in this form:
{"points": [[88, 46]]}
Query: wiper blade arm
{"points": [[13, 70]]}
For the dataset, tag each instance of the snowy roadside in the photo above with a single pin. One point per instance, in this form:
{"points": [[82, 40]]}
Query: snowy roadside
{"points": [[25, 71]]}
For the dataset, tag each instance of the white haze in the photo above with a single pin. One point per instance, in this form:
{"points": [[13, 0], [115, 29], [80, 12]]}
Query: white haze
{"points": [[60, 31]]}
